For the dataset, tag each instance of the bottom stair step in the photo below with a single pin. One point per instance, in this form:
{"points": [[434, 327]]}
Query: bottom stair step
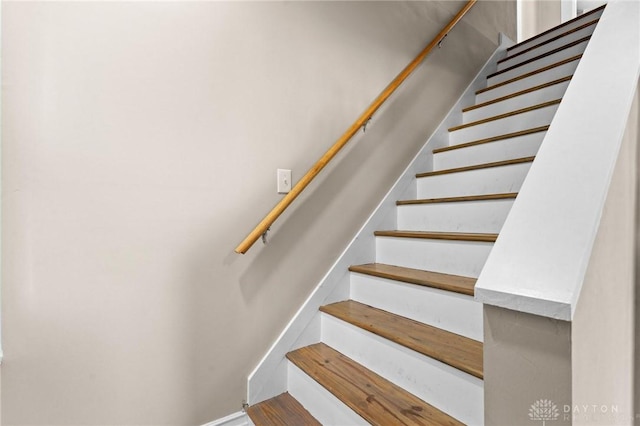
{"points": [[282, 410], [374, 398]]}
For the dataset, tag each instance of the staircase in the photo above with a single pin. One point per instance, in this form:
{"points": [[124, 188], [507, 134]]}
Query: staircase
{"points": [[406, 348]]}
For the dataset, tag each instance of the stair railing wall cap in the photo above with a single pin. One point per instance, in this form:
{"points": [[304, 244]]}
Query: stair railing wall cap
{"points": [[540, 259]]}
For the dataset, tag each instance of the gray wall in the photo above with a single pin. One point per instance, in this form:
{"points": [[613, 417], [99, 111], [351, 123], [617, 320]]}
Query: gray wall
{"points": [[140, 146], [602, 330], [527, 359], [538, 16]]}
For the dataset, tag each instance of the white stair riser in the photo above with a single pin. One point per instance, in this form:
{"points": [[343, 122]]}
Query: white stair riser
{"points": [[514, 123], [506, 149], [536, 97], [542, 62], [454, 312], [462, 216], [456, 393], [492, 180], [318, 401], [450, 257], [587, 31], [554, 33], [528, 82]]}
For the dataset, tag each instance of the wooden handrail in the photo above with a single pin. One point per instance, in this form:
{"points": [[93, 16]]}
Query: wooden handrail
{"points": [[271, 217]]}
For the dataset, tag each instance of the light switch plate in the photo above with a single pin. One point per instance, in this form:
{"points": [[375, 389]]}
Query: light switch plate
{"points": [[284, 181]]}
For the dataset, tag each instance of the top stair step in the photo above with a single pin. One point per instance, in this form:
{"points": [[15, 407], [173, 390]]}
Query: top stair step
{"points": [[371, 396], [547, 58], [578, 32], [553, 32], [281, 410]]}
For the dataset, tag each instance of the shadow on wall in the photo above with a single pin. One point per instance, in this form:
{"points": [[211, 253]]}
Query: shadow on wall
{"points": [[334, 206]]}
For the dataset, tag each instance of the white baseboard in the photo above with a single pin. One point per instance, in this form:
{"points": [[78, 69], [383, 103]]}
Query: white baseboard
{"points": [[236, 419]]}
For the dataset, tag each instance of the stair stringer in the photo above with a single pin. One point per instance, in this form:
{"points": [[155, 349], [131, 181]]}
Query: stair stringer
{"points": [[269, 378]]}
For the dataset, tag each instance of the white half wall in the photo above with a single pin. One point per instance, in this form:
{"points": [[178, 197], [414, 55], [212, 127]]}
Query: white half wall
{"points": [[539, 261]]}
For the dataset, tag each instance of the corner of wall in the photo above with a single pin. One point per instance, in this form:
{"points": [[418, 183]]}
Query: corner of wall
{"points": [[527, 363], [637, 272]]}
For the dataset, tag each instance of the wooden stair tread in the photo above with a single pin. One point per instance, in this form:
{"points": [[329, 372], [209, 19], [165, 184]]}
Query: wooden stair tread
{"points": [[549, 53], [551, 40], [452, 349], [485, 197], [448, 282], [371, 396], [516, 94], [281, 410], [529, 74], [505, 115], [453, 236], [477, 167], [492, 139], [577, 18]]}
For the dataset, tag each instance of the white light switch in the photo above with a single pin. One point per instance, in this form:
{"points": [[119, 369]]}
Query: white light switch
{"points": [[284, 181]]}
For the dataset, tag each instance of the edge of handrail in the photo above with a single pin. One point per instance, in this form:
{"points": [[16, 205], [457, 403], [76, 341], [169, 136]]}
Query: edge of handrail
{"points": [[282, 205]]}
